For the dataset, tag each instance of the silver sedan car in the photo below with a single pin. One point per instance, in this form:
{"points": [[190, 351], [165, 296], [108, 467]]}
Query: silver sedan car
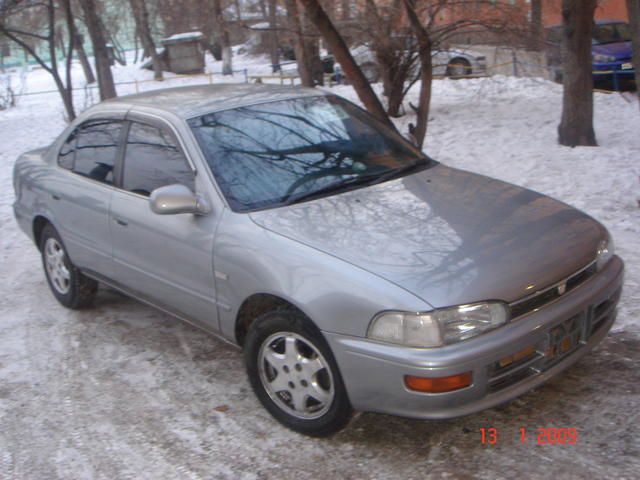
{"points": [[354, 271]]}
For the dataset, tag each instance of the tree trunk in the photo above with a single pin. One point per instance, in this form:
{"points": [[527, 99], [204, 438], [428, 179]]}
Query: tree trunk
{"points": [[311, 48], [225, 42], [68, 97], [346, 10], [633, 6], [141, 17], [342, 54], [576, 126], [273, 37], [78, 42], [419, 131], [537, 41], [100, 50], [84, 61], [304, 68]]}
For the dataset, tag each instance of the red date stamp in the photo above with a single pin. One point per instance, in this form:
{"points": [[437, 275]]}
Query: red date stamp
{"points": [[538, 436]]}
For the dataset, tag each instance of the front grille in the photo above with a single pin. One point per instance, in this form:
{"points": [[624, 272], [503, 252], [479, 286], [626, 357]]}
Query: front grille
{"points": [[561, 340], [540, 299]]}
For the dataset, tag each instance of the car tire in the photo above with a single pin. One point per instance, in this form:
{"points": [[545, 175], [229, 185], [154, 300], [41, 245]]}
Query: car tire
{"points": [[70, 287], [458, 68], [294, 374]]}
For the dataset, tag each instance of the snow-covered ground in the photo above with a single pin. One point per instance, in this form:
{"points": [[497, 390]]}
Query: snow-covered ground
{"points": [[123, 391]]}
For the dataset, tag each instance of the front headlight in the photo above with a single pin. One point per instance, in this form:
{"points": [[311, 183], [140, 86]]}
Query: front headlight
{"points": [[600, 58], [438, 327], [605, 253]]}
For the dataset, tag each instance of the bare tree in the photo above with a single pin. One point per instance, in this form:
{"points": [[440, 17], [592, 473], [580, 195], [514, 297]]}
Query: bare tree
{"points": [[576, 125], [537, 40], [311, 42], [340, 50], [419, 131], [100, 51], [141, 17], [397, 48], [273, 37], [633, 7], [223, 35], [302, 59], [42, 29]]}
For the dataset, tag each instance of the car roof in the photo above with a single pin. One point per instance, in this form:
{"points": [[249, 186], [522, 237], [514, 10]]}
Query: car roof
{"points": [[191, 101]]}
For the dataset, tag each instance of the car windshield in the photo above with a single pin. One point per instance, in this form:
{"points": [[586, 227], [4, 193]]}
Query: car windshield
{"points": [[611, 33], [289, 151]]}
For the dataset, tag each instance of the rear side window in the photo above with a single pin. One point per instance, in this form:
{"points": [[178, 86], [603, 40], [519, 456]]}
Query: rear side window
{"points": [[153, 160], [67, 152], [96, 148]]}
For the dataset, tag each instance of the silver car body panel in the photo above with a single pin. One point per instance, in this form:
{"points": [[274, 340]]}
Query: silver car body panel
{"points": [[432, 239], [449, 236]]}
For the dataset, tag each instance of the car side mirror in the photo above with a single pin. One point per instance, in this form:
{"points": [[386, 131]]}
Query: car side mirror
{"points": [[175, 199]]}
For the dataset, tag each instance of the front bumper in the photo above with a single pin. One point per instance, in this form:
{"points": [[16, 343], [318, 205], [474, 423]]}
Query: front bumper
{"points": [[614, 72], [373, 372]]}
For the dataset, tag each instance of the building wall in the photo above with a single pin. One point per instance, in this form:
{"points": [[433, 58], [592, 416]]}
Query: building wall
{"points": [[607, 10]]}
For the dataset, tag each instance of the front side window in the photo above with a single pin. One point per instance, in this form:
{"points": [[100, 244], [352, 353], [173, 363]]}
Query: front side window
{"points": [[96, 148], [289, 151], [153, 160]]}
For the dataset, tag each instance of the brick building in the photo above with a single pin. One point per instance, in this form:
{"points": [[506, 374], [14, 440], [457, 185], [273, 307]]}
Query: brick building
{"points": [[607, 10]]}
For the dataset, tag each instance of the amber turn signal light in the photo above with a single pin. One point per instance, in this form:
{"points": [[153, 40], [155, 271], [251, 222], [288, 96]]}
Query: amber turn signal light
{"points": [[439, 384]]}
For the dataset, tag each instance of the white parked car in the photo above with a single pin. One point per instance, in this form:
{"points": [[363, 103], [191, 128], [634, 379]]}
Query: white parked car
{"points": [[453, 63]]}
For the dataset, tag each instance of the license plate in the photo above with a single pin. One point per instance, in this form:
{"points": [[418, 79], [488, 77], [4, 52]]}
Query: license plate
{"points": [[627, 66], [564, 338]]}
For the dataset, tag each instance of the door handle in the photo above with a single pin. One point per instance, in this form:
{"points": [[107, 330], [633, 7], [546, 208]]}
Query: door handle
{"points": [[121, 222], [55, 197]]}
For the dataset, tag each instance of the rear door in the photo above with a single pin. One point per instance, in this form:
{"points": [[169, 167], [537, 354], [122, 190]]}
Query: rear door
{"points": [[167, 259], [82, 189]]}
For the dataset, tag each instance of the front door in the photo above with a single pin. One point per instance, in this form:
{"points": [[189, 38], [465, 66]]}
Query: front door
{"points": [[167, 259]]}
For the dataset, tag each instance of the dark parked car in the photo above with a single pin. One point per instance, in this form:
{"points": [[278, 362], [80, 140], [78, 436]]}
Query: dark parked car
{"points": [[611, 53]]}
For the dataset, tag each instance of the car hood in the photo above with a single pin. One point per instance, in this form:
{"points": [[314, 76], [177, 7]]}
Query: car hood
{"points": [[448, 236], [620, 50]]}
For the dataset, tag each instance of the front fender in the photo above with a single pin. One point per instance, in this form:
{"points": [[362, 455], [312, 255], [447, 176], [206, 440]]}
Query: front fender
{"points": [[338, 297]]}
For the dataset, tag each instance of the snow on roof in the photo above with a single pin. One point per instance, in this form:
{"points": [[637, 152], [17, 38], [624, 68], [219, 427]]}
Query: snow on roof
{"points": [[178, 37]]}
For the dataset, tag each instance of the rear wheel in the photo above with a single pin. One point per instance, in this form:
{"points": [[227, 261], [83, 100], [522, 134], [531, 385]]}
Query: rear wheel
{"points": [[70, 287], [458, 67], [294, 374]]}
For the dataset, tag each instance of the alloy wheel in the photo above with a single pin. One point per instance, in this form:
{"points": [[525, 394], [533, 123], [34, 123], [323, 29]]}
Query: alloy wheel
{"points": [[296, 375]]}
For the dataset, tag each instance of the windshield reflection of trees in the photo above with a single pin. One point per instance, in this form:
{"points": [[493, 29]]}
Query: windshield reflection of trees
{"points": [[262, 154]]}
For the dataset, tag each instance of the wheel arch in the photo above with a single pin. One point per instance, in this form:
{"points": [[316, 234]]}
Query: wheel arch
{"points": [[38, 224], [459, 59], [258, 304]]}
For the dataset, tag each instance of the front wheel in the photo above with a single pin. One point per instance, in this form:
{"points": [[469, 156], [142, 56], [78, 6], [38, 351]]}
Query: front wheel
{"points": [[294, 375]]}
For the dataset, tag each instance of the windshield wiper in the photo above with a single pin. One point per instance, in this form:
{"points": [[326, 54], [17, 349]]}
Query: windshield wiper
{"points": [[366, 179]]}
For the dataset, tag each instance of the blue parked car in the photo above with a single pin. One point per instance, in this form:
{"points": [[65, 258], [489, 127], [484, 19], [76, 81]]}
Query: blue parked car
{"points": [[611, 53]]}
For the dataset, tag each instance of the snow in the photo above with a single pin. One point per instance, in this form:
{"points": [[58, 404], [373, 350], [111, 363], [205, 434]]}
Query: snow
{"points": [[183, 36], [124, 391]]}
